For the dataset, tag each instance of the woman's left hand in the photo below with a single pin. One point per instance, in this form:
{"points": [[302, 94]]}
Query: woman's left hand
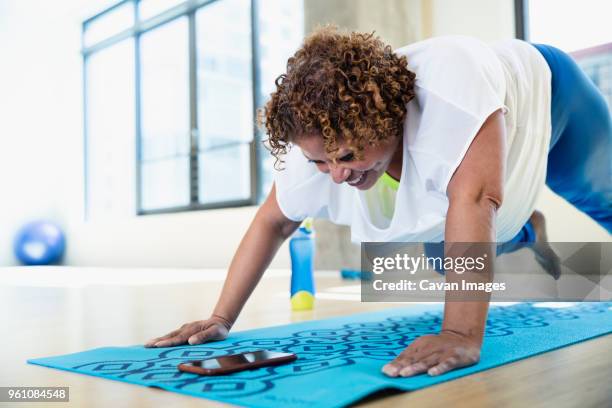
{"points": [[435, 354]]}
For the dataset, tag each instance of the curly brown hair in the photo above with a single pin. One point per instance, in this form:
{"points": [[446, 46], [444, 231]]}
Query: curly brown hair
{"points": [[339, 86]]}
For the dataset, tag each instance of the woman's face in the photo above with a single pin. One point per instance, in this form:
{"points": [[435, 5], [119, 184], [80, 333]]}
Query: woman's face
{"points": [[361, 174]]}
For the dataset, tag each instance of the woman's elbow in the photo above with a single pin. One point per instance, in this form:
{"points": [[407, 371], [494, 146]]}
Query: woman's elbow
{"points": [[489, 199], [492, 199]]}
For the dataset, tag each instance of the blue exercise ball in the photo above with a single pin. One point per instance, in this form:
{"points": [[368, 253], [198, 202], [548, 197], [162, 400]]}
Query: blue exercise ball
{"points": [[39, 243]]}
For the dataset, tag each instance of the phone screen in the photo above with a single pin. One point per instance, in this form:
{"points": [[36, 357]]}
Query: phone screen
{"points": [[237, 359]]}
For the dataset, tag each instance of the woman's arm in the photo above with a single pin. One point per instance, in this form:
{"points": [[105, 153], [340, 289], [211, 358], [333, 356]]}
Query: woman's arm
{"points": [[269, 229], [475, 194], [267, 232]]}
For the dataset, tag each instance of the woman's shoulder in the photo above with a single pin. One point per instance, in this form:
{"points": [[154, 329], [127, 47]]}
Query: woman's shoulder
{"points": [[443, 46], [456, 68]]}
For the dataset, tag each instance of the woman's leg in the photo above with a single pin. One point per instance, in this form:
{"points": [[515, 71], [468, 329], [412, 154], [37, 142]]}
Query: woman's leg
{"points": [[524, 238], [533, 236], [580, 157]]}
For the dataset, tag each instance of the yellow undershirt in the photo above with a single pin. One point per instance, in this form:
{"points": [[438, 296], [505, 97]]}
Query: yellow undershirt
{"points": [[390, 181], [381, 200]]}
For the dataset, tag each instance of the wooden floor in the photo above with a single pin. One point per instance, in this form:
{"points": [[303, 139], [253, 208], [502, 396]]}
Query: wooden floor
{"points": [[55, 319]]}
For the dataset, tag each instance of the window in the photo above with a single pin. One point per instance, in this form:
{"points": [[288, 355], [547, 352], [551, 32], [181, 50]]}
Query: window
{"points": [[582, 29], [170, 91], [164, 116], [225, 92]]}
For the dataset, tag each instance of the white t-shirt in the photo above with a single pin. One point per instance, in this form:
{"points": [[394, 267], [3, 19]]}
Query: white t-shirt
{"points": [[460, 82]]}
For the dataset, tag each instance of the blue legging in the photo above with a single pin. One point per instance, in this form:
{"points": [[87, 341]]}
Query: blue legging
{"points": [[580, 154]]}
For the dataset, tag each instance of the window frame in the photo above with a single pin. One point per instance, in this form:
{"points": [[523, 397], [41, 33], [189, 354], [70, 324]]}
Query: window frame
{"points": [[521, 19], [189, 9]]}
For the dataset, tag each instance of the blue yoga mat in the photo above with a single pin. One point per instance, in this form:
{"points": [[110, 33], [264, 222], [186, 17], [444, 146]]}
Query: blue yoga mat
{"points": [[339, 360]]}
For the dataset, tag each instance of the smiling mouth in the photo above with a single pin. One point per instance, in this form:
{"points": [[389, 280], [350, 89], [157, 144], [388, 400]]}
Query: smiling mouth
{"points": [[358, 181]]}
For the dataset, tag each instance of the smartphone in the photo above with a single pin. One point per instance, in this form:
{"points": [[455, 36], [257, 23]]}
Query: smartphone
{"points": [[237, 362]]}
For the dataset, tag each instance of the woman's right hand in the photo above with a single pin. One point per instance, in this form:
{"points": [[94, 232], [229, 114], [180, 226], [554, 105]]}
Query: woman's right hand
{"points": [[213, 329]]}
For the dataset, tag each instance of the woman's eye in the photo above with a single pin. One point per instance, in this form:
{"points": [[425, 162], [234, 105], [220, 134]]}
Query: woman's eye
{"points": [[347, 158], [315, 161]]}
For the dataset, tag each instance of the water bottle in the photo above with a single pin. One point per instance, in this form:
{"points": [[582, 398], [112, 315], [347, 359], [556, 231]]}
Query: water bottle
{"points": [[302, 249]]}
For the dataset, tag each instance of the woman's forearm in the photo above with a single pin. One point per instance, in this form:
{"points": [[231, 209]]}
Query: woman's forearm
{"points": [[262, 240], [470, 222]]}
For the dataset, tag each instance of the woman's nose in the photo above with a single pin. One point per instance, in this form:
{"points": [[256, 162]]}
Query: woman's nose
{"points": [[339, 174]]}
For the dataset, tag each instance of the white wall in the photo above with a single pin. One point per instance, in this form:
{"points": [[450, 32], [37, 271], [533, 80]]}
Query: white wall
{"points": [[485, 19], [189, 239], [40, 113], [397, 22]]}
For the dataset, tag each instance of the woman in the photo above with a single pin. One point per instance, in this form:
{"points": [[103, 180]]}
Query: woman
{"points": [[445, 139]]}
